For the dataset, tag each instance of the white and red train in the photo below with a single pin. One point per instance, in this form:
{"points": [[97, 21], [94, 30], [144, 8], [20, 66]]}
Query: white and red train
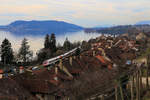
{"points": [[57, 58]]}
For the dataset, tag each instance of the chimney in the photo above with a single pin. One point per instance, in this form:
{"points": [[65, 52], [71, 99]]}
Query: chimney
{"points": [[61, 63], [111, 43], [93, 53], [74, 57], [70, 61], [56, 72]]}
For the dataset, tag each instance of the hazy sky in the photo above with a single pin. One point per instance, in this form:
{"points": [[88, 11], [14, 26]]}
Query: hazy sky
{"points": [[87, 13]]}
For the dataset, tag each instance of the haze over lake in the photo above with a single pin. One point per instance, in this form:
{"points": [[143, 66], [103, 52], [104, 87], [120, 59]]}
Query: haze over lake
{"points": [[36, 42]]}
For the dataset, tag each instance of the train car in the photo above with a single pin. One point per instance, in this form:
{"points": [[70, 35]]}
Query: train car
{"points": [[56, 59]]}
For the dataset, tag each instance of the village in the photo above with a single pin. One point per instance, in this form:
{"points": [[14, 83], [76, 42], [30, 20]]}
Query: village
{"points": [[89, 72]]}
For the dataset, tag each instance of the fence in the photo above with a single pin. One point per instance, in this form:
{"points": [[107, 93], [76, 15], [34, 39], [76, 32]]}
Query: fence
{"points": [[129, 86]]}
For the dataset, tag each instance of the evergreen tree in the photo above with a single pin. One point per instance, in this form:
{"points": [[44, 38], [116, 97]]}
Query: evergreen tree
{"points": [[47, 42], [49, 49], [67, 45], [42, 55], [53, 43], [85, 45], [24, 53], [6, 52], [76, 44], [77, 52]]}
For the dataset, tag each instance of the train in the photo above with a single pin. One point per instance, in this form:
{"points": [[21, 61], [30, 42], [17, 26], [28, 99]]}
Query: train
{"points": [[57, 58]]}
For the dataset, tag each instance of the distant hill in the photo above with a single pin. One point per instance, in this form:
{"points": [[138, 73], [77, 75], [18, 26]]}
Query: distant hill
{"points": [[21, 28], [119, 29], [103, 26], [143, 22]]}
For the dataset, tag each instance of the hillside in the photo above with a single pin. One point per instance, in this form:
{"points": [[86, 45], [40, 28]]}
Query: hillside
{"points": [[120, 29], [21, 28], [143, 22]]}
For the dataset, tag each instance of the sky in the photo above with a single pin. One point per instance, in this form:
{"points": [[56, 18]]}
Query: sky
{"points": [[86, 13]]}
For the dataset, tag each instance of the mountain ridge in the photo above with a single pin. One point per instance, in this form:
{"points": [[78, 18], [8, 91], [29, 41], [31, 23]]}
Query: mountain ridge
{"points": [[143, 22], [34, 27], [120, 29]]}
